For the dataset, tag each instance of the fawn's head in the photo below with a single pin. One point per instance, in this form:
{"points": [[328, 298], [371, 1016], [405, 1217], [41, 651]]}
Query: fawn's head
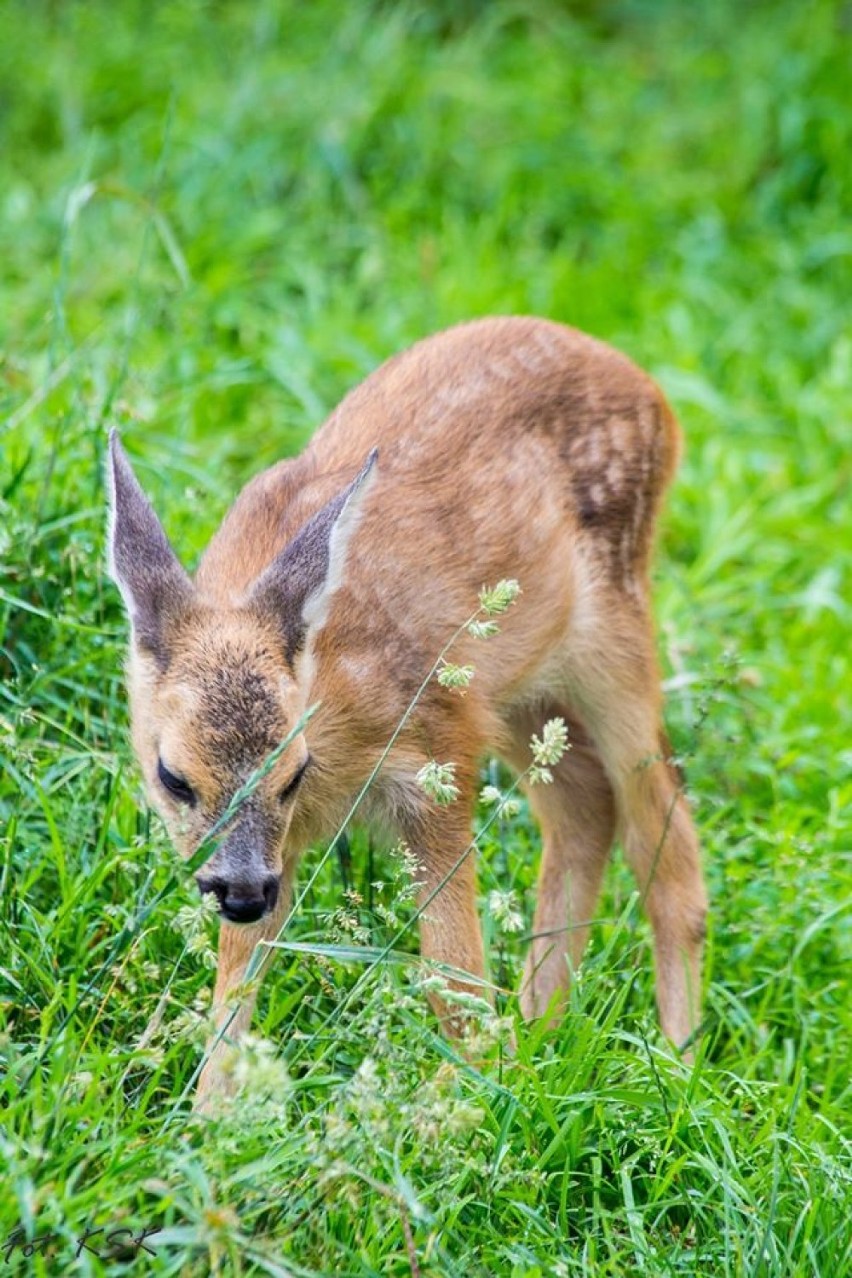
{"points": [[215, 691]]}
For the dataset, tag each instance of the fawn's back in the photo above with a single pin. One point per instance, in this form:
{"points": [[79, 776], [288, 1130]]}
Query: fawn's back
{"points": [[507, 448]]}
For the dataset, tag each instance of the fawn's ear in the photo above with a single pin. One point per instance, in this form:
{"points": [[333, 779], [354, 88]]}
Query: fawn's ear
{"points": [[155, 588], [297, 587]]}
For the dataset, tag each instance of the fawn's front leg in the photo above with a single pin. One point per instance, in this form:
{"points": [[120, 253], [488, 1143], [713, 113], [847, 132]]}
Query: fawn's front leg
{"points": [[237, 943], [450, 933]]}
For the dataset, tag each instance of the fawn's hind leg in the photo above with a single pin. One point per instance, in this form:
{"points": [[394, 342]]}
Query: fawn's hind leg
{"points": [[619, 694], [576, 814]]}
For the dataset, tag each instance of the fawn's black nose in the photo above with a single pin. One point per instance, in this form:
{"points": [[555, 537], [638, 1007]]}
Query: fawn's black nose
{"points": [[242, 900]]}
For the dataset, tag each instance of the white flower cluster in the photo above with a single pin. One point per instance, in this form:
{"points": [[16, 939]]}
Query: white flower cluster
{"points": [[492, 795], [455, 677], [547, 750], [438, 781], [193, 922], [493, 602], [499, 598], [505, 911]]}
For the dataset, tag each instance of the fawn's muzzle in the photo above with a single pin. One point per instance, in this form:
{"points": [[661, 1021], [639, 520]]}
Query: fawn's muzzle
{"points": [[243, 900]]}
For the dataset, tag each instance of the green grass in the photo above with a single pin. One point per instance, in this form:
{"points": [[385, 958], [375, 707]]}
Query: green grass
{"points": [[214, 219]]}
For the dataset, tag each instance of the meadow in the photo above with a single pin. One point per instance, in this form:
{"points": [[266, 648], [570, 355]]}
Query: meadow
{"points": [[215, 218]]}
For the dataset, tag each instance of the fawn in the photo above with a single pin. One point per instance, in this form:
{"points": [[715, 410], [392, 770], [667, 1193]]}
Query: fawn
{"points": [[503, 448]]}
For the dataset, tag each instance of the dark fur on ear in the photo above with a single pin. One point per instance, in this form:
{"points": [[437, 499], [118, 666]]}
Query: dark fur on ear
{"points": [[154, 586], [297, 587]]}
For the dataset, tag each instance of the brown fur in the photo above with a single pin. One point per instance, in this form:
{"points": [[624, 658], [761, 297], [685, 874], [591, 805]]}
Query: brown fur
{"points": [[506, 448]]}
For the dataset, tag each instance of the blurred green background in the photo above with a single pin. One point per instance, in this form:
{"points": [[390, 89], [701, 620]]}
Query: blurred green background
{"points": [[214, 219]]}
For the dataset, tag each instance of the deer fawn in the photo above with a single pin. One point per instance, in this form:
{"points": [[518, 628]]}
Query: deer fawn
{"points": [[501, 448]]}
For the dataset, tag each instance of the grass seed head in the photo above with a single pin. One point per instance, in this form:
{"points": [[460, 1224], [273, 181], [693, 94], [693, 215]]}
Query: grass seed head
{"points": [[505, 910], [455, 677], [547, 750], [499, 598], [438, 781]]}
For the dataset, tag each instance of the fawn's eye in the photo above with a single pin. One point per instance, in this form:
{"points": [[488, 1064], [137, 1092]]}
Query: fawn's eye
{"points": [[176, 786], [293, 784]]}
